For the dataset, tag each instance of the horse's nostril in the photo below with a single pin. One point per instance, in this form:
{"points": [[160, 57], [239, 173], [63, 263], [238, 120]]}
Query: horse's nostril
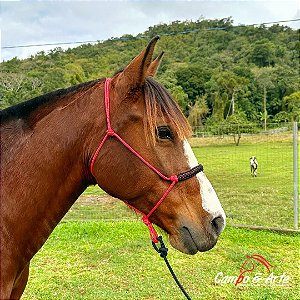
{"points": [[218, 224]]}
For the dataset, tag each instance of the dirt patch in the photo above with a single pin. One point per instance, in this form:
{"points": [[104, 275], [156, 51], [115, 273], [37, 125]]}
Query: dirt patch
{"points": [[105, 200], [228, 139]]}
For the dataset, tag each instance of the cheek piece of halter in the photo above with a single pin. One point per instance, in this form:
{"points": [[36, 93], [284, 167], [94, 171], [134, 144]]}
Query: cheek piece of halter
{"points": [[162, 250]]}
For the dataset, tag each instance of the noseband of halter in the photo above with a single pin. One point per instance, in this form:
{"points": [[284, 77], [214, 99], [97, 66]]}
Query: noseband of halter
{"points": [[173, 178]]}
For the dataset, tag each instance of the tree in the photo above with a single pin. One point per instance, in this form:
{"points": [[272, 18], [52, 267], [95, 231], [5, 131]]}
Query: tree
{"points": [[198, 111], [264, 78], [263, 53], [168, 79], [193, 79], [235, 125], [16, 87], [74, 74], [281, 117], [292, 106], [230, 88]]}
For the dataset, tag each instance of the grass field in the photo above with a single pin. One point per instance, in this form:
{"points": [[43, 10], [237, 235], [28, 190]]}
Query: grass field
{"points": [[115, 260], [109, 256], [265, 200]]}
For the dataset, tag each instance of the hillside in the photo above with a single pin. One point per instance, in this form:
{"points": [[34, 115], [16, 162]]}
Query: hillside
{"points": [[213, 69]]}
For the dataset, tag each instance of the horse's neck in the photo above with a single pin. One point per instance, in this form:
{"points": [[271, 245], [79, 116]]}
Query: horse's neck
{"points": [[49, 171]]}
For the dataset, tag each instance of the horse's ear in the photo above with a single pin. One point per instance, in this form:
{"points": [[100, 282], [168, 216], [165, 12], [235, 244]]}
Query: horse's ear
{"points": [[154, 65], [136, 72]]}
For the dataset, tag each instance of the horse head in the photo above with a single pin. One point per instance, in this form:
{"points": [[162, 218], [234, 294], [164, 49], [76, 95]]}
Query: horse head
{"points": [[143, 113]]}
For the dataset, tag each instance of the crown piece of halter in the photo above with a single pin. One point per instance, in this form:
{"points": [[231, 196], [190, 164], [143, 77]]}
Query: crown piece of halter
{"points": [[173, 178]]}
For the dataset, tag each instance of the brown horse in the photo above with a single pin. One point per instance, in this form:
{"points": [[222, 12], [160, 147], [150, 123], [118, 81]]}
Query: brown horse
{"points": [[48, 144]]}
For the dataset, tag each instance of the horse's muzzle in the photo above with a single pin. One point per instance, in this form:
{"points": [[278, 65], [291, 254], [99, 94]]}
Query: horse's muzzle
{"points": [[192, 239]]}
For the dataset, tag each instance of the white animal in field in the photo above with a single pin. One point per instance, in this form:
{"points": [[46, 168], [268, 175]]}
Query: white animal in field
{"points": [[253, 165]]}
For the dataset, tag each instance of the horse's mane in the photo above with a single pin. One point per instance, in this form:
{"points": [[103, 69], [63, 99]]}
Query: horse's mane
{"points": [[159, 103], [24, 109]]}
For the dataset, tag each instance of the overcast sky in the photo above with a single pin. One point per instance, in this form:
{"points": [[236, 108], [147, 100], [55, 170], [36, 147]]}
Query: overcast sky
{"points": [[37, 22]]}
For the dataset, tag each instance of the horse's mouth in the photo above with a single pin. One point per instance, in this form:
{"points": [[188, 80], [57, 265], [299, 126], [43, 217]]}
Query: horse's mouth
{"points": [[190, 243]]}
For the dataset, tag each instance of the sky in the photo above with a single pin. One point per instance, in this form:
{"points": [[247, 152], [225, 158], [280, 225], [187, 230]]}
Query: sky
{"points": [[38, 22]]}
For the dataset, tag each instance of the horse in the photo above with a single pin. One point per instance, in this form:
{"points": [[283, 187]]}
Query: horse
{"points": [[253, 166], [54, 146]]}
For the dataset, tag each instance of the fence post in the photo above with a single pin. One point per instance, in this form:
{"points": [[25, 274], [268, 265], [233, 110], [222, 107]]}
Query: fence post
{"points": [[295, 172]]}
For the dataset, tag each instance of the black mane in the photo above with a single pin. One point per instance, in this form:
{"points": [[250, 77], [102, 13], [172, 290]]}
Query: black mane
{"points": [[24, 109]]}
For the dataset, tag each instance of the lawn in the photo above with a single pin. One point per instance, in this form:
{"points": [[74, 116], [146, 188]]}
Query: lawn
{"points": [[115, 260], [265, 200]]}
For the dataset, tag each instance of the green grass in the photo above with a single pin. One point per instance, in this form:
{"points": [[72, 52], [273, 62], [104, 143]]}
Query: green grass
{"points": [[263, 200], [115, 260]]}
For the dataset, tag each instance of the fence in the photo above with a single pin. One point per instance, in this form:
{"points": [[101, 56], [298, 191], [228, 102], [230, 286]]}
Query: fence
{"points": [[266, 200]]}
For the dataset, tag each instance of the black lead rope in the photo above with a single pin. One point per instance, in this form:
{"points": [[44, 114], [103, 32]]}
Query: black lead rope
{"points": [[163, 251]]}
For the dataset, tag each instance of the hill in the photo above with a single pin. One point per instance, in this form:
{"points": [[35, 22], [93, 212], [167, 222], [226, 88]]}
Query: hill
{"points": [[215, 70]]}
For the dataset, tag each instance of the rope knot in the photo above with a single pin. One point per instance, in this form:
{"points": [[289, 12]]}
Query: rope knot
{"points": [[174, 178], [110, 132], [162, 250], [152, 231], [146, 221]]}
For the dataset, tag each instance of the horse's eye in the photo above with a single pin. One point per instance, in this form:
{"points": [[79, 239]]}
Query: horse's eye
{"points": [[164, 133]]}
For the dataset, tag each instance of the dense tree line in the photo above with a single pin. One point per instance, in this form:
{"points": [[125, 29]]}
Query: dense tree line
{"points": [[215, 70]]}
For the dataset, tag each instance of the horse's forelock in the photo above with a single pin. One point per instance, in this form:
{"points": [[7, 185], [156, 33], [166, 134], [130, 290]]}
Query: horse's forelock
{"points": [[159, 103]]}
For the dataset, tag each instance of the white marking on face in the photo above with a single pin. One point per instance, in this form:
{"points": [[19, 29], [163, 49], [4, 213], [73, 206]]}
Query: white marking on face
{"points": [[210, 200]]}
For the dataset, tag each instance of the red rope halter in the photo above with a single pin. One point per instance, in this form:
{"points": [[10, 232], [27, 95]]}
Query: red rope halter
{"points": [[173, 178]]}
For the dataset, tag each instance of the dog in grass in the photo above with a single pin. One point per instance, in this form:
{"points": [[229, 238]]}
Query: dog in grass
{"points": [[253, 166]]}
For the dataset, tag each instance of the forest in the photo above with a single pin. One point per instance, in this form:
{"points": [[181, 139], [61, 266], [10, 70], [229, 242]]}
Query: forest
{"points": [[216, 71]]}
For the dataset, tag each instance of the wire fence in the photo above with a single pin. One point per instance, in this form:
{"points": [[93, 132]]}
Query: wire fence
{"points": [[265, 200]]}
